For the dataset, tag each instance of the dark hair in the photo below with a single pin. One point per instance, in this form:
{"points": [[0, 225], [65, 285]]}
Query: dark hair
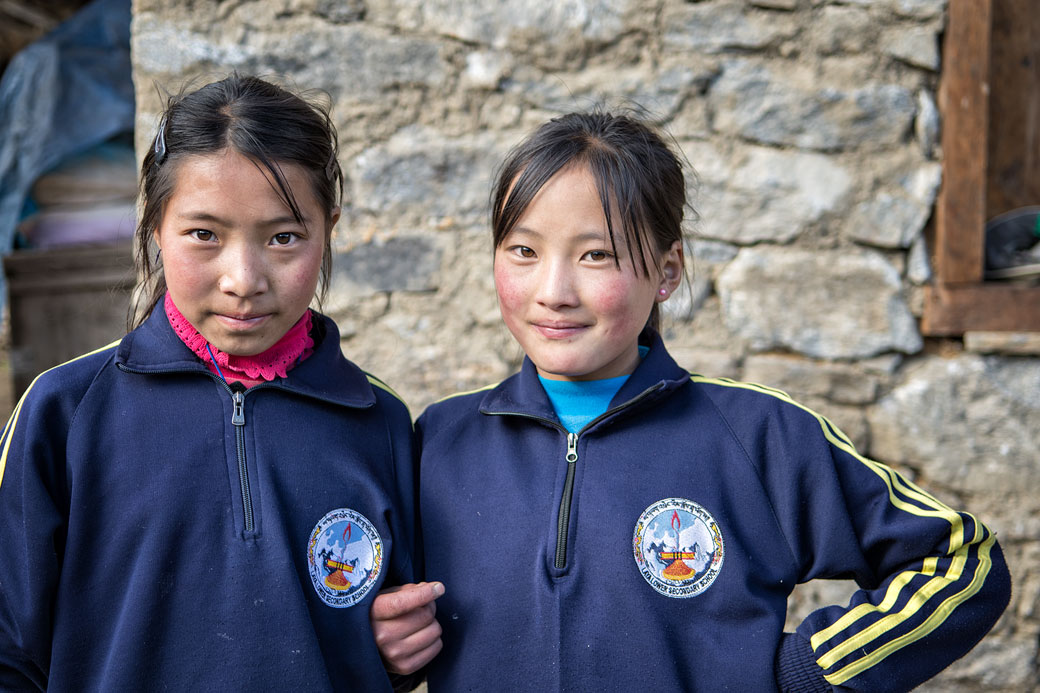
{"points": [[637, 175], [262, 121]]}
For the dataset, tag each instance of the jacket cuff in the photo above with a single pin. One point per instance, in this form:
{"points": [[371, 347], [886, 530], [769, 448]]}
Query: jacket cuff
{"points": [[402, 683], [795, 667]]}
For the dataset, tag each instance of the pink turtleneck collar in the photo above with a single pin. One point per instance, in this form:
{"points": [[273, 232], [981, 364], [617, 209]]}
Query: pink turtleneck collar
{"points": [[294, 346]]}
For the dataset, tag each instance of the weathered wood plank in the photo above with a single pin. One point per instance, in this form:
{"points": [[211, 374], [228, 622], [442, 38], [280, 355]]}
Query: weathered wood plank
{"points": [[953, 310]]}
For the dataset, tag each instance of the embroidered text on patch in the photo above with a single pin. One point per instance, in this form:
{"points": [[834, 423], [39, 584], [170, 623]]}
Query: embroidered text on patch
{"points": [[345, 556], [678, 547]]}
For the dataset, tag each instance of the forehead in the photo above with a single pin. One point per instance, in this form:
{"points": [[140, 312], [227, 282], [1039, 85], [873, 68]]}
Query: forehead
{"points": [[572, 195], [569, 193], [229, 178]]}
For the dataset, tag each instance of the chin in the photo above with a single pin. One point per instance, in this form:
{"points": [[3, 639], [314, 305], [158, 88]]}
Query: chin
{"points": [[563, 371], [242, 347]]}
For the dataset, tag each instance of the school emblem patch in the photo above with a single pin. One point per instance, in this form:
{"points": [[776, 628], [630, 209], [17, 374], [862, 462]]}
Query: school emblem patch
{"points": [[678, 547], [345, 557]]}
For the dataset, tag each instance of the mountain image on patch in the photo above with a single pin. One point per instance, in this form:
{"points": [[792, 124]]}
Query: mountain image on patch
{"points": [[678, 547], [344, 556]]}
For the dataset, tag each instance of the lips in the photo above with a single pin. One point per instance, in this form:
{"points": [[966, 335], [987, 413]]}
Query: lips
{"points": [[242, 321], [558, 329]]}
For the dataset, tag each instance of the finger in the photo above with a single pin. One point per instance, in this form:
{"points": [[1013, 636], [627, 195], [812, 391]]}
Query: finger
{"points": [[392, 603], [396, 602], [412, 663], [407, 644], [393, 630]]}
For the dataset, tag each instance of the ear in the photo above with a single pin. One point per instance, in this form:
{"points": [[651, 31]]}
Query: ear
{"points": [[671, 271], [155, 238], [333, 218]]}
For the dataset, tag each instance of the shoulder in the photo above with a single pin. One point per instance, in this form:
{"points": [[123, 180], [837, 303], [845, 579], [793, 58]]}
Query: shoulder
{"points": [[732, 396], [328, 375], [52, 400], [724, 388], [387, 397], [71, 379], [751, 410], [454, 408]]}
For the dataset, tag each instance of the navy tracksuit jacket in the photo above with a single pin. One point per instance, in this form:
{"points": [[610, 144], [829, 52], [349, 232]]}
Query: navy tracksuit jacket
{"points": [[656, 549], [159, 531]]}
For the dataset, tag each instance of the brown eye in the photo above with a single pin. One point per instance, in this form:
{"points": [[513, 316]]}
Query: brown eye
{"points": [[282, 238], [202, 234]]}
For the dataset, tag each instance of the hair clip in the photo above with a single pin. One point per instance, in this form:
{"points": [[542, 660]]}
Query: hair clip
{"points": [[160, 142]]}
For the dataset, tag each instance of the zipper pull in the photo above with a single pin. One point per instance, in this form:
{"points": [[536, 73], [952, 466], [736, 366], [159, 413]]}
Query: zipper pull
{"points": [[572, 448], [239, 417]]}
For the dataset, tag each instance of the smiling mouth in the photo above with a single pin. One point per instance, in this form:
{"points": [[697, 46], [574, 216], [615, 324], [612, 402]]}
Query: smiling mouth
{"points": [[558, 330]]}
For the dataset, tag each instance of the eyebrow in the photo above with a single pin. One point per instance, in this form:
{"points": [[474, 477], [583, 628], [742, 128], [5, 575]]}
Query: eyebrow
{"points": [[585, 236], [214, 219]]}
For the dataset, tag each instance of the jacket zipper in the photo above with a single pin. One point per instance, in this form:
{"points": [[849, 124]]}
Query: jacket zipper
{"points": [[238, 420], [563, 515]]}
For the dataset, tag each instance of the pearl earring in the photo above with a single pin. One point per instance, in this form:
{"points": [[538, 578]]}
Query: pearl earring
{"points": [[663, 292]]}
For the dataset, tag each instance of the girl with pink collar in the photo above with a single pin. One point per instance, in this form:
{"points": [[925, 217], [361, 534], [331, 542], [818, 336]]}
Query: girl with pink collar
{"points": [[212, 501]]}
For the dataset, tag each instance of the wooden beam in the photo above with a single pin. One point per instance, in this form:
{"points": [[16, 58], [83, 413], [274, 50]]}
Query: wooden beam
{"points": [[953, 310], [960, 214]]}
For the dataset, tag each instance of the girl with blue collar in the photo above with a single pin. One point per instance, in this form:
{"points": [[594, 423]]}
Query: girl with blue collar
{"points": [[604, 520], [213, 501]]}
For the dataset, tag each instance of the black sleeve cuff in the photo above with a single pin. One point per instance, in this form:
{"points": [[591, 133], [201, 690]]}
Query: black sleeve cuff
{"points": [[402, 683], [796, 669]]}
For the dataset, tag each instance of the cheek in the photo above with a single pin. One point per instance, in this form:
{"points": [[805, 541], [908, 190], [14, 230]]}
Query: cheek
{"points": [[305, 276], [183, 276], [626, 302], [510, 289]]}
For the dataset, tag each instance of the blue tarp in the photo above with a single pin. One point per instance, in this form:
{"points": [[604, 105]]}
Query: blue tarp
{"points": [[59, 96]]}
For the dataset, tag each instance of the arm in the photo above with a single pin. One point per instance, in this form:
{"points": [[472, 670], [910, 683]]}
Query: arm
{"points": [[933, 580], [32, 530]]}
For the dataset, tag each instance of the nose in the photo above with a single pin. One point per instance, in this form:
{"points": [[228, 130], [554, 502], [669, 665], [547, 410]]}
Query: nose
{"points": [[243, 271], [557, 286]]}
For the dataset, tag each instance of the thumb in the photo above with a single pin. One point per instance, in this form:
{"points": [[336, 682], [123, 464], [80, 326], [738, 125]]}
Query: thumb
{"points": [[398, 601]]}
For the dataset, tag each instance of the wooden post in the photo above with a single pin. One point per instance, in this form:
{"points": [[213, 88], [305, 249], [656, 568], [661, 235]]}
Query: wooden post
{"points": [[964, 104]]}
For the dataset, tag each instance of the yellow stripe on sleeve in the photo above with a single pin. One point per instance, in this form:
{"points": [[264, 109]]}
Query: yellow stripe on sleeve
{"points": [[861, 611], [13, 421], [934, 620], [886, 623], [906, 496]]}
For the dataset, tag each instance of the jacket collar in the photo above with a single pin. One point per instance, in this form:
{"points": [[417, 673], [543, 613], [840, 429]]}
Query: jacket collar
{"points": [[326, 375], [656, 376]]}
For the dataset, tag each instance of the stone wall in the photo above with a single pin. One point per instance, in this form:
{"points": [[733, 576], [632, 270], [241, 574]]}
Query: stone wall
{"points": [[813, 130]]}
